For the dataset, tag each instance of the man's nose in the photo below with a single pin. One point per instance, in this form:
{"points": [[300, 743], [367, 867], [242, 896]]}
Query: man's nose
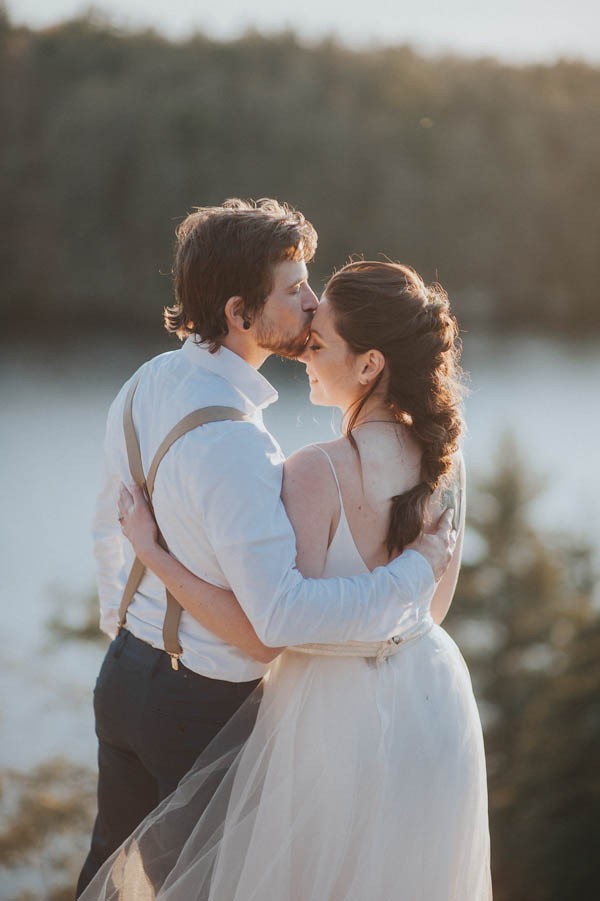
{"points": [[310, 301]]}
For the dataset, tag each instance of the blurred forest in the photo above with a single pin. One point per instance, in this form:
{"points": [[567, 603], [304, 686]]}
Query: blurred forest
{"points": [[525, 619], [482, 174]]}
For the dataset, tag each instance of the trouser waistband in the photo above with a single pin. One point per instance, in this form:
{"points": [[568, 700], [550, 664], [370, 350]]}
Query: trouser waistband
{"points": [[134, 648]]}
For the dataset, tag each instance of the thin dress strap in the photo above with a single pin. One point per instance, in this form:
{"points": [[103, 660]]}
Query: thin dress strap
{"points": [[343, 532], [330, 461]]}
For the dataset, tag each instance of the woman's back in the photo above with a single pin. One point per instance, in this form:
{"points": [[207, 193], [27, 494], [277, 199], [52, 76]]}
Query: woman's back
{"points": [[350, 490], [384, 463]]}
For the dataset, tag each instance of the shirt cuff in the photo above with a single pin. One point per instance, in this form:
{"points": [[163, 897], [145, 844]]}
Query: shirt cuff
{"points": [[424, 572]]}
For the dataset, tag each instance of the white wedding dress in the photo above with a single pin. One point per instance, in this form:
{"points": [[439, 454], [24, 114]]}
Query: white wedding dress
{"points": [[351, 779]]}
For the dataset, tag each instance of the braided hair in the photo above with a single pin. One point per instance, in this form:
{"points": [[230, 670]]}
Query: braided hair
{"points": [[387, 307]]}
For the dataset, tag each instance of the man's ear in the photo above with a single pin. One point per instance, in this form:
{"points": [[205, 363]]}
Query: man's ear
{"points": [[235, 315], [372, 364]]}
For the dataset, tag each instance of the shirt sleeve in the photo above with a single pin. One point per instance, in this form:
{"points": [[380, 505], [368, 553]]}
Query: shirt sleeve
{"points": [[109, 549], [254, 542]]}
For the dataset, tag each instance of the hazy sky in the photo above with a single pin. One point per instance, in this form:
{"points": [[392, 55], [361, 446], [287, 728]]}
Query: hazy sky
{"points": [[510, 29]]}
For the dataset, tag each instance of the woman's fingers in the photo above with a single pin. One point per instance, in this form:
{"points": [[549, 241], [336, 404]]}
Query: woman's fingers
{"points": [[125, 502], [136, 493], [136, 519]]}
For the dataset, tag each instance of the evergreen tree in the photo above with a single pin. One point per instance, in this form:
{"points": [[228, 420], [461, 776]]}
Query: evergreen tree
{"points": [[527, 604]]}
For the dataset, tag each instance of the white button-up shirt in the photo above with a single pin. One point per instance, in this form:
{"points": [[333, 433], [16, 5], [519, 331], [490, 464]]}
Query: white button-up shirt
{"points": [[217, 497]]}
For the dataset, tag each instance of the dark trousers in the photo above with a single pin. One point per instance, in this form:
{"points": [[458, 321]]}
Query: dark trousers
{"points": [[152, 722]]}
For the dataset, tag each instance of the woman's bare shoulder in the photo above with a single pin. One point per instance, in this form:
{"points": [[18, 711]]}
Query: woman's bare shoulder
{"points": [[312, 503], [308, 467]]}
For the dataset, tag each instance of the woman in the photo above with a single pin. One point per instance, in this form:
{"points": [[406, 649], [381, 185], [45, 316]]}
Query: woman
{"points": [[360, 773]]}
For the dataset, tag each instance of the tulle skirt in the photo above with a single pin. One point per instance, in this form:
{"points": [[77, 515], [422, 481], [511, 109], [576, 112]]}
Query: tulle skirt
{"points": [[340, 779]]}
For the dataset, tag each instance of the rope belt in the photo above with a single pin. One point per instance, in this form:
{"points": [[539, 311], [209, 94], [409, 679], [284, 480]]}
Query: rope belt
{"points": [[380, 650]]}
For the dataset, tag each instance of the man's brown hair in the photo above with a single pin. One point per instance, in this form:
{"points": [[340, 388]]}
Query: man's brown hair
{"points": [[230, 250]]}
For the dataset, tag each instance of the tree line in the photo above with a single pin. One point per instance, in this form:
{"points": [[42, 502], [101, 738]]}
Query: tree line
{"points": [[480, 174]]}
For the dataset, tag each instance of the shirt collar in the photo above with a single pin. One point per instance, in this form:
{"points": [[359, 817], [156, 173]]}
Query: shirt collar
{"points": [[230, 366]]}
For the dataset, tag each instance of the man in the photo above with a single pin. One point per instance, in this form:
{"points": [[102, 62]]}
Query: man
{"points": [[241, 294]]}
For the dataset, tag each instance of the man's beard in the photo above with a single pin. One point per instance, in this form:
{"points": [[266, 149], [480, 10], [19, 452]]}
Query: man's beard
{"points": [[284, 344]]}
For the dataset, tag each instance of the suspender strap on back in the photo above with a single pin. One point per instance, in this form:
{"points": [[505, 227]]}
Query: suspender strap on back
{"points": [[187, 424]]}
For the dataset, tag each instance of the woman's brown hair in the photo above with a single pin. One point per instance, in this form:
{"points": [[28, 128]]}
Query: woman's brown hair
{"points": [[227, 251], [387, 307]]}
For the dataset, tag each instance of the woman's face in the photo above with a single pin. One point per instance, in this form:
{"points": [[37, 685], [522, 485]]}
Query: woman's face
{"points": [[332, 369]]}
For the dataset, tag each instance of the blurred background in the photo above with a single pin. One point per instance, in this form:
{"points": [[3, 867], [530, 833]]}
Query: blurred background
{"points": [[460, 139]]}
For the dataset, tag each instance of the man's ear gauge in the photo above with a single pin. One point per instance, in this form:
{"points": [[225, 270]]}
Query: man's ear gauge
{"points": [[246, 324]]}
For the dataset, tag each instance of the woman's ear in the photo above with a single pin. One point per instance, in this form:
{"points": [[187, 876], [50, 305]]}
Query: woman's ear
{"points": [[371, 364], [235, 315]]}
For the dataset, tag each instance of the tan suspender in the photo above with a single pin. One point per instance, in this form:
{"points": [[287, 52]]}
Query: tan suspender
{"points": [[189, 422]]}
